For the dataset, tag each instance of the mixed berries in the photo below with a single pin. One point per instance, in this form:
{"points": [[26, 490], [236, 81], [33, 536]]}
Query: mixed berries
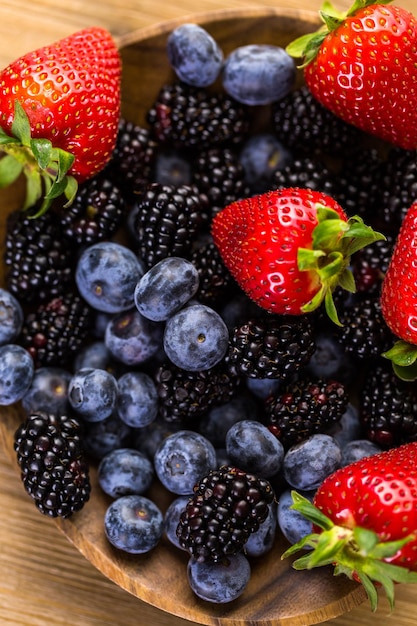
{"points": [[226, 319]]}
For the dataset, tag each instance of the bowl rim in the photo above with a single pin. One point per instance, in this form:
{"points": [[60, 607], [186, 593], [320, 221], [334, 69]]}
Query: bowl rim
{"points": [[205, 18]]}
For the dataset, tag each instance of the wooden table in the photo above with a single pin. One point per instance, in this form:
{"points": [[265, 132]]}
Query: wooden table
{"points": [[43, 578]]}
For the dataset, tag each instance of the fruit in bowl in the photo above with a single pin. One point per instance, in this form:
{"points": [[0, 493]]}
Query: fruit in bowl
{"points": [[165, 148]]}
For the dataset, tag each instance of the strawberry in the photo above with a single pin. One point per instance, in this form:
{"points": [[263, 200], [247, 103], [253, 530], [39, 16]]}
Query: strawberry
{"points": [[288, 249], [361, 65], [365, 521], [399, 298], [59, 114]]}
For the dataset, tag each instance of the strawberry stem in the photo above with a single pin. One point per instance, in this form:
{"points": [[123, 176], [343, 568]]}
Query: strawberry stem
{"points": [[355, 552], [334, 240], [44, 166], [307, 46], [403, 356]]}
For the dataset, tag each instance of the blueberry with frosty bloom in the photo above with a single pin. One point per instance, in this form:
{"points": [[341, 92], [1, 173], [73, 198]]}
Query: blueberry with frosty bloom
{"points": [[165, 288], [137, 399], [252, 447], [133, 339], [106, 276], [358, 449], [219, 582], [48, 391], [172, 518], [182, 459], [293, 525], [133, 524], [194, 55], [125, 471], [16, 373], [308, 463], [11, 317], [258, 74], [92, 393], [196, 338]]}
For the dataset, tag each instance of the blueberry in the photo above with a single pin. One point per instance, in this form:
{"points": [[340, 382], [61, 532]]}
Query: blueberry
{"points": [[252, 447], [133, 339], [92, 393], [11, 317], [171, 167], [137, 400], [329, 360], [261, 156], [194, 55], [172, 518], [182, 459], [309, 462], [124, 472], [196, 338], [148, 438], [263, 387], [95, 355], [293, 525], [48, 391], [109, 434], [219, 582], [348, 427], [165, 288], [16, 373], [261, 541], [133, 524], [106, 276], [358, 449], [258, 74], [216, 422]]}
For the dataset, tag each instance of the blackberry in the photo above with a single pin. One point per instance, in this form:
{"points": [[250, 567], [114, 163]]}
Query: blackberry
{"points": [[132, 159], [227, 506], [397, 191], [96, 213], [215, 280], [271, 347], [307, 127], [167, 220], [388, 407], [39, 262], [219, 174], [305, 407], [359, 184], [51, 458], [186, 116], [305, 172], [56, 330], [364, 333], [186, 396]]}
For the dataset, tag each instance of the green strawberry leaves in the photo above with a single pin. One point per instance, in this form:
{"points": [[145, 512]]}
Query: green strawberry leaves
{"points": [[355, 552], [44, 166], [334, 240], [404, 360]]}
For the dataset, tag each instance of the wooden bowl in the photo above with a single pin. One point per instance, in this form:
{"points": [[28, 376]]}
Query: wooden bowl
{"points": [[276, 594]]}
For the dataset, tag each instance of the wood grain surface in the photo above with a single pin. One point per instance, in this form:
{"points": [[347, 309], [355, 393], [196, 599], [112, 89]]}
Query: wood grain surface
{"points": [[43, 578]]}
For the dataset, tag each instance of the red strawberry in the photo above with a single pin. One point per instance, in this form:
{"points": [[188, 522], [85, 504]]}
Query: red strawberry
{"points": [[59, 113], [288, 249], [362, 66], [365, 521], [399, 297]]}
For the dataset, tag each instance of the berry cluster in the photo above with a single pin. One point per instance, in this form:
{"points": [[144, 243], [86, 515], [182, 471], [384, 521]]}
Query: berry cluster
{"points": [[135, 348]]}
